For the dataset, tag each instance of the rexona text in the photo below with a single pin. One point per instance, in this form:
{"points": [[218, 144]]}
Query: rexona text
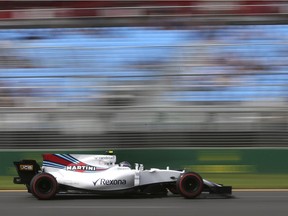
{"points": [[109, 182]]}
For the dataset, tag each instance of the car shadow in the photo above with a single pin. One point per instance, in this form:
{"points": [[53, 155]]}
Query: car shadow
{"points": [[134, 196]]}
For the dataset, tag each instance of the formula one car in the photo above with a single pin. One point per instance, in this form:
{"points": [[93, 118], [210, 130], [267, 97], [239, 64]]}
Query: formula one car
{"points": [[99, 174]]}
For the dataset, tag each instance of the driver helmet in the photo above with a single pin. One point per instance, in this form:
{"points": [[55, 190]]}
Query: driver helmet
{"points": [[125, 164]]}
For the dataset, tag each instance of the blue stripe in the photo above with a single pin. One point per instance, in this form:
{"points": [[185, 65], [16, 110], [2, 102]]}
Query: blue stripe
{"points": [[52, 163], [64, 156], [55, 165], [48, 163], [73, 158]]}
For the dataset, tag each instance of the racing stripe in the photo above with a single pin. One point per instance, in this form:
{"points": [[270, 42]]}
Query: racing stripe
{"points": [[54, 165], [56, 159], [61, 161], [66, 157], [72, 158]]}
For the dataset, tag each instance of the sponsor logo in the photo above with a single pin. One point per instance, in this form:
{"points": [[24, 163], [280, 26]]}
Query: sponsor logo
{"points": [[81, 168], [26, 167], [108, 157], [102, 181]]}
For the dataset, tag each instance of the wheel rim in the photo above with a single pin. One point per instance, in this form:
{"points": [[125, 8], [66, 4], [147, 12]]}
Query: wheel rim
{"points": [[44, 186], [191, 184]]}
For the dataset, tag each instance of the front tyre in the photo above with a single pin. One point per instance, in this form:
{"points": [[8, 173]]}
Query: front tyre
{"points": [[190, 185], [44, 186]]}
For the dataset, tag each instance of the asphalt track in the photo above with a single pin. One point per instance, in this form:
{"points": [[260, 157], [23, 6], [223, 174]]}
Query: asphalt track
{"points": [[243, 204]]}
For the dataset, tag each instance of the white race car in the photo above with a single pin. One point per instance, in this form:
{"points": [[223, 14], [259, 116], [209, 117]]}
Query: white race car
{"points": [[99, 174]]}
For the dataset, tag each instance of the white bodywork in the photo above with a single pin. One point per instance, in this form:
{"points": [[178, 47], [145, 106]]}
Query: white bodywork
{"points": [[101, 173]]}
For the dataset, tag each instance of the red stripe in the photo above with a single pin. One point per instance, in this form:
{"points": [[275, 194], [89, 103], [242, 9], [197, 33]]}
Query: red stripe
{"points": [[56, 159]]}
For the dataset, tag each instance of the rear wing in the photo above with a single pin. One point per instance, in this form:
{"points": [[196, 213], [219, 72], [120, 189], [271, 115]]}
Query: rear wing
{"points": [[26, 170]]}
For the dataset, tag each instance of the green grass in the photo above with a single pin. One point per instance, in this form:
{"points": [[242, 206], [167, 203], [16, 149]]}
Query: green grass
{"points": [[237, 181], [6, 183]]}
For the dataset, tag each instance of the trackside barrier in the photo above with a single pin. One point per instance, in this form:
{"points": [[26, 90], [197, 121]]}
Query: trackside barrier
{"points": [[202, 160]]}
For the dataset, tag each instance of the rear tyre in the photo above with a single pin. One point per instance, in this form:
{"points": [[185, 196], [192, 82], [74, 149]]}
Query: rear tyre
{"points": [[44, 186], [190, 185]]}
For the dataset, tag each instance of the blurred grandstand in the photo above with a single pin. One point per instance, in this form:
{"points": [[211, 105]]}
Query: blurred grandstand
{"points": [[142, 82]]}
